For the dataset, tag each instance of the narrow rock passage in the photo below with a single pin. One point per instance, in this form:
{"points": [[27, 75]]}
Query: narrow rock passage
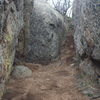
{"points": [[55, 81]]}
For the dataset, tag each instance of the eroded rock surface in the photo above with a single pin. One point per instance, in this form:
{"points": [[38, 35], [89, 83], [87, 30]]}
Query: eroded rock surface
{"points": [[11, 22], [87, 21], [87, 35], [86, 15], [47, 33]]}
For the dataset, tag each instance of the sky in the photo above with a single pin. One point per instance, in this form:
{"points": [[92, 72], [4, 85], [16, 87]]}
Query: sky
{"points": [[69, 13]]}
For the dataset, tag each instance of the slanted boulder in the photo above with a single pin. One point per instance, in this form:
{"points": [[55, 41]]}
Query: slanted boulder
{"points": [[86, 15], [11, 22], [87, 32]]}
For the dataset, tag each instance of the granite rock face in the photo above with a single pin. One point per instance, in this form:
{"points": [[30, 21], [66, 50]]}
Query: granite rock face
{"points": [[47, 33], [11, 22], [86, 16]]}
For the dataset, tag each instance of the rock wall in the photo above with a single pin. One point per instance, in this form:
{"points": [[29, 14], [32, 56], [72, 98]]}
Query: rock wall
{"points": [[87, 27], [86, 16], [11, 22]]}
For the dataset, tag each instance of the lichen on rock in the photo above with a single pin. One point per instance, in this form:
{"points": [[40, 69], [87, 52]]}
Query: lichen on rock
{"points": [[10, 25]]}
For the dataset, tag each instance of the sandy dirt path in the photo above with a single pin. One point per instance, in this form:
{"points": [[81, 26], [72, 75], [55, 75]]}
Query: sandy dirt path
{"points": [[55, 81]]}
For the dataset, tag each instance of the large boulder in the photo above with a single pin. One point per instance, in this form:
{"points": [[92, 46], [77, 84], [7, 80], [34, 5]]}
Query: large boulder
{"points": [[47, 33], [86, 15], [11, 22]]}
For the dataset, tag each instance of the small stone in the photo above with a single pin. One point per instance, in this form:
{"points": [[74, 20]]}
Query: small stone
{"points": [[20, 72]]}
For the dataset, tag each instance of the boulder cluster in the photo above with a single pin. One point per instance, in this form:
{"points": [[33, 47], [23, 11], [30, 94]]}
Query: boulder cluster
{"points": [[31, 28]]}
